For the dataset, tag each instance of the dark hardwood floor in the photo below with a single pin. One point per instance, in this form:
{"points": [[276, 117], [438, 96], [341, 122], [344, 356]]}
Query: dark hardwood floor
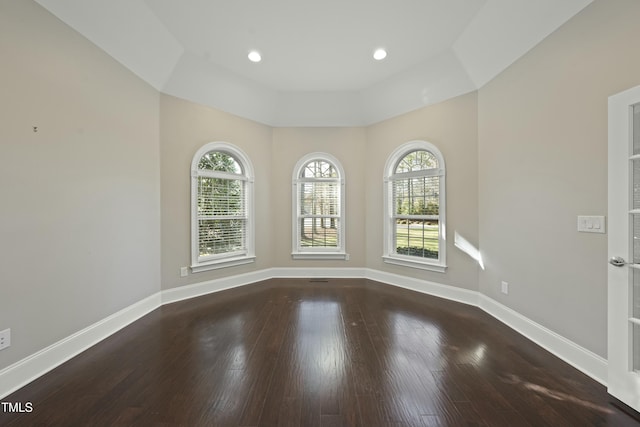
{"points": [[300, 353]]}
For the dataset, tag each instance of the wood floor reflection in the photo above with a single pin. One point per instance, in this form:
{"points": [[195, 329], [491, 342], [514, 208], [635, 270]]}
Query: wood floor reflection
{"points": [[299, 353]]}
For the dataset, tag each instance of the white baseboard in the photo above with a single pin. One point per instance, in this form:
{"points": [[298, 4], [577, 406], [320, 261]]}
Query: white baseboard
{"points": [[28, 369], [31, 367], [579, 357], [452, 293], [327, 273], [216, 285]]}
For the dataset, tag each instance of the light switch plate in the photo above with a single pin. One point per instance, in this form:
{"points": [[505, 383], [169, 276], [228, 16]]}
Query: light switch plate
{"points": [[592, 224], [5, 339]]}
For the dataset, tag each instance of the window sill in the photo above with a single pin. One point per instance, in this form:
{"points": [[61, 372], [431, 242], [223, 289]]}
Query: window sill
{"points": [[406, 262], [320, 255], [222, 263]]}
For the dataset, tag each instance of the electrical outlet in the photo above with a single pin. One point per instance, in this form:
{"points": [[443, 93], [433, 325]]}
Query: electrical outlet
{"points": [[184, 271], [5, 339], [505, 288]]}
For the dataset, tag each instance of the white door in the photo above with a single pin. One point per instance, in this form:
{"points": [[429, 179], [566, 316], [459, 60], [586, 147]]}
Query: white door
{"points": [[624, 247]]}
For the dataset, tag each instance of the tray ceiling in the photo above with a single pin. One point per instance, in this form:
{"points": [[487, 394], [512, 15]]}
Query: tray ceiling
{"points": [[317, 67]]}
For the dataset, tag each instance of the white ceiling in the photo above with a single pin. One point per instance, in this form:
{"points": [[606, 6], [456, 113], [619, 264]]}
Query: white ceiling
{"points": [[315, 45], [317, 67]]}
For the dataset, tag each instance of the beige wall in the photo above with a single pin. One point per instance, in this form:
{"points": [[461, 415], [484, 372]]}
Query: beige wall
{"points": [[348, 146], [452, 127], [543, 161], [184, 128], [79, 199]]}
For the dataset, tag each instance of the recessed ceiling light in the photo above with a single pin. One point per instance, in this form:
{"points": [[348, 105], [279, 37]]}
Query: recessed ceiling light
{"points": [[379, 54], [254, 56]]}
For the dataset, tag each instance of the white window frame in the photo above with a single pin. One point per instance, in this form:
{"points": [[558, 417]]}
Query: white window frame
{"points": [[389, 251], [245, 256], [298, 251]]}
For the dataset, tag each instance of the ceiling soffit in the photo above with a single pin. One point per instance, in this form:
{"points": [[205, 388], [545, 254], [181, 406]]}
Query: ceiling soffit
{"points": [[487, 36]]}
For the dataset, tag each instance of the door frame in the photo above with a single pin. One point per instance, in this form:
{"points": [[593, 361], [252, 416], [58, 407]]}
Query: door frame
{"points": [[623, 383]]}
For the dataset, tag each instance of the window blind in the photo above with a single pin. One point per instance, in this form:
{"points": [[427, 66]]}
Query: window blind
{"points": [[415, 215], [221, 215]]}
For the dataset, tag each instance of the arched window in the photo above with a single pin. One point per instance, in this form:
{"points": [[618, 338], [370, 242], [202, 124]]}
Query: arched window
{"points": [[222, 232], [318, 208], [414, 223]]}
